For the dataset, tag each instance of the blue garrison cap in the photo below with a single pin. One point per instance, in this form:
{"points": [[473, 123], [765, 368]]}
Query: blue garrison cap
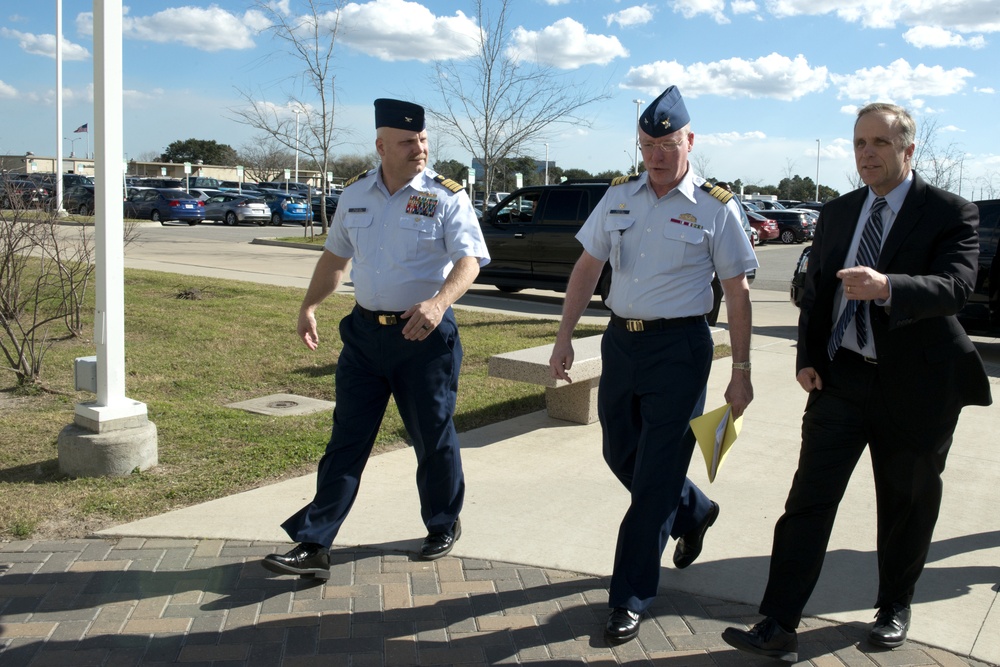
{"points": [[665, 114], [398, 114]]}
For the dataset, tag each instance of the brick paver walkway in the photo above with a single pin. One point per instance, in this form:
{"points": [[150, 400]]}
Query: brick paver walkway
{"points": [[135, 602]]}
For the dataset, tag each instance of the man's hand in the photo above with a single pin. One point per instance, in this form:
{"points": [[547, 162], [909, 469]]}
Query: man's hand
{"points": [[422, 319], [862, 283], [561, 360], [809, 379], [307, 329], [739, 392]]}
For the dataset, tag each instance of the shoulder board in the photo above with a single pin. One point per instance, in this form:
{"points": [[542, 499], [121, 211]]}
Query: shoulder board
{"points": [[721, 194], [448, 183], [624, 179], [356, 178]]}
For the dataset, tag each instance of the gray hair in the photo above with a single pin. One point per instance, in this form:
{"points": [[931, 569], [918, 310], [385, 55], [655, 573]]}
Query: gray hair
{"points": [[904, 121]]}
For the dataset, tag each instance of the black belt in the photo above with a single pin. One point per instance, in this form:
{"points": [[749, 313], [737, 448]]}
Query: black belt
{"points": [[654, 325], [385, 318], [849, 354]]}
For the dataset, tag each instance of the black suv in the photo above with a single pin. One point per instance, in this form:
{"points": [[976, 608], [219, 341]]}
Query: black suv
{"points": [[981, 314], [531, 236]]}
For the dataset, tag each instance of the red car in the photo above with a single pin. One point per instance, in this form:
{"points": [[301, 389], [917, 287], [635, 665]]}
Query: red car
{"points": [[767, 229]]}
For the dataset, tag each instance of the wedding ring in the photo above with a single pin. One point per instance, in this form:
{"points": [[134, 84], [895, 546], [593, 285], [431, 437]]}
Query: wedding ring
{"points": [[425, 327]]}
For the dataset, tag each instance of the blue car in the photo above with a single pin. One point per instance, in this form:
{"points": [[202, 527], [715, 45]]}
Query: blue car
{"points": [[162, 204], [288, 208]]}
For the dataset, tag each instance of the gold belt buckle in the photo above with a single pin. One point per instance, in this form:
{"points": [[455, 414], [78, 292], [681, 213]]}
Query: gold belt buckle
{"points": [[633, 325], [386, 320]]}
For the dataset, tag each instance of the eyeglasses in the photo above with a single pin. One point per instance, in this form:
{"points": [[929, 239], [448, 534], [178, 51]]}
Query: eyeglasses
{"points": [[666, 146]]}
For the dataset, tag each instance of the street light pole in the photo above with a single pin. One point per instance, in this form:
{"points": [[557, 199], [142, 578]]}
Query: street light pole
{"points": [[635, 157], [297, 111], [72, 145], [817, 170], [546, 164]]}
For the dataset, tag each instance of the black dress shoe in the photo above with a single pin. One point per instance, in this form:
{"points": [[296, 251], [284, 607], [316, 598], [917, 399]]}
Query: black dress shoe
{"points": [[766, 638], [306, 560], [891, 623], [437, 545], [689, 545], [622, 625]]}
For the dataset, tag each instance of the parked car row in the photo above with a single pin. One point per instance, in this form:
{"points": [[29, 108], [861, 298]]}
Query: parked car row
{"points": [[981, 314]]}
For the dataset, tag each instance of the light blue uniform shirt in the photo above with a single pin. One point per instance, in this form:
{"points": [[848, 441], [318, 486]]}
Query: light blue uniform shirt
{"points": [[403, 246], [663, 251]]}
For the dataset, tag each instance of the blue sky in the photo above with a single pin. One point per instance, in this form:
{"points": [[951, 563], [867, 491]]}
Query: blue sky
{"points": [[763, 79]]}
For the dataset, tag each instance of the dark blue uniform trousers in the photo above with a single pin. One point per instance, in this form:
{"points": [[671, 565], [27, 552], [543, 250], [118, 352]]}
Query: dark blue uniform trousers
{"points": [[422, 376], [653, 384]]}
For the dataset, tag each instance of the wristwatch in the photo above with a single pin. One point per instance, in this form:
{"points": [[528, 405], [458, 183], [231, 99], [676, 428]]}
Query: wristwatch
{"points": [[741, 365]]}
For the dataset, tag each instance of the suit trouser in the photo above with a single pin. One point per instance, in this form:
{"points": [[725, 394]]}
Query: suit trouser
{"points": [[653, 383], [422, 376], [848, 414]]}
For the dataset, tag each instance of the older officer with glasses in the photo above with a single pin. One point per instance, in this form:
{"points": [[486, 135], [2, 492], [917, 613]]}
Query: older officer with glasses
{"points": [[665, 232]]}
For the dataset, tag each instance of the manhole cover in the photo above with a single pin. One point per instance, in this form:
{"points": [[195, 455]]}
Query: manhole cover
{"points": [[283, 405]]}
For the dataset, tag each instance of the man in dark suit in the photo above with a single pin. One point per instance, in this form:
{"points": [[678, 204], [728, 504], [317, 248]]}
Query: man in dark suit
{"points": [[887, 366]]}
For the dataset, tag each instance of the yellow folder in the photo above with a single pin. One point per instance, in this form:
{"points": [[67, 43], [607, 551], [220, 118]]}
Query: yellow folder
{"points": [[716, 431]]}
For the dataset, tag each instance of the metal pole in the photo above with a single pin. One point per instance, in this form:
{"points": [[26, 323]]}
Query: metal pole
{"points": [[59, 115], [817, 170], [635, 156], [297, 110], [546, 164]]}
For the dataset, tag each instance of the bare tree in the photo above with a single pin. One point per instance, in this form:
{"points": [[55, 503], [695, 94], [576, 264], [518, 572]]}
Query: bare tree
{"points": [[939, 164], [265, 158], [494, 105], [310, 37], [702, 164]]}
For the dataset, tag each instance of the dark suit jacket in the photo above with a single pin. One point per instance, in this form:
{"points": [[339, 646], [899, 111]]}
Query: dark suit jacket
{"points": [[927, 365]]}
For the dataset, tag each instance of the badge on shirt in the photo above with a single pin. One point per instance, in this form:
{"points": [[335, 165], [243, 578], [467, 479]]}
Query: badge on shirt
{"points": [[621, 210], [422, 204], [357, 210], [687, 220]]}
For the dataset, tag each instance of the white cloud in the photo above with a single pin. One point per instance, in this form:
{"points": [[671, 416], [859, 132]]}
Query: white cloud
{"points": [[924, 36], [565, 44], [979, 16], [729, 138], [985, 91], [626, 18], [399, 30], [743, 6], [838, 149], [556, 2], [900, 81], [7, 91], [952, 128], [212, 29], [691, 8], [773, 76], [45, 45]]}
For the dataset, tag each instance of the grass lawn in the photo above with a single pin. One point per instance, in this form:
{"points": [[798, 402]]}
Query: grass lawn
{"points": [[186, 359]]}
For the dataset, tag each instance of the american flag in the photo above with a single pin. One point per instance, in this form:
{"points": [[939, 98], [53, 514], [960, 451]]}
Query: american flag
{"points": [[82, 128]]}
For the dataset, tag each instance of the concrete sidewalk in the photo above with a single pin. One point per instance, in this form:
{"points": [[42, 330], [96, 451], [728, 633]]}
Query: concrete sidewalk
{"points": [[527, 582]]}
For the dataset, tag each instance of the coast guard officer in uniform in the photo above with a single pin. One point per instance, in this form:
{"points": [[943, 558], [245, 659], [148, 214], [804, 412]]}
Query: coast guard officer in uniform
{"points": [[416, 246], [665, 233]]}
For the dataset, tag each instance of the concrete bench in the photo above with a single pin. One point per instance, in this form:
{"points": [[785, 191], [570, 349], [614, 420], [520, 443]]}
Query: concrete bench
{"points": [[576, 401]]}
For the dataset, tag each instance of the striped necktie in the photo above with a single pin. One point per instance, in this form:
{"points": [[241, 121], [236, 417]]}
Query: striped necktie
{"points": [[868, 250]]}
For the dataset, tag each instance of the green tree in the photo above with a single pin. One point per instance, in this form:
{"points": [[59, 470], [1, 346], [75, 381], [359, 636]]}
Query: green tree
{"points": [[609, 174], [576, 173], [452, 169], [208, 151]]}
